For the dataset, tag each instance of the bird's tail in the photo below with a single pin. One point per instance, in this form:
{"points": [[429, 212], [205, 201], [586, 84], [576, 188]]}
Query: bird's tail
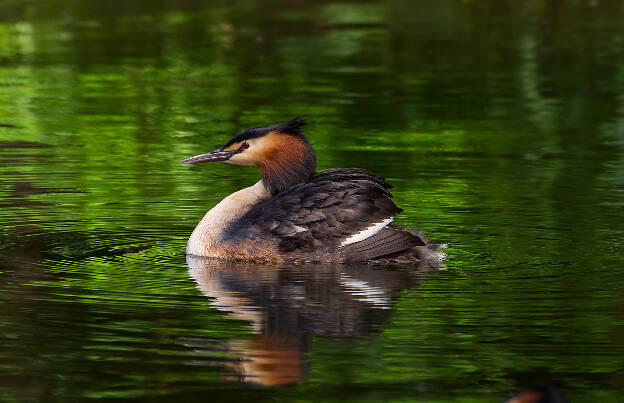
{"points": [[396, 245], [429, 252]]}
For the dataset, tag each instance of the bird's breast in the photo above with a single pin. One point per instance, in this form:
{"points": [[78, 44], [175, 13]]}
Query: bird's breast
{"points": [[207, 238]]}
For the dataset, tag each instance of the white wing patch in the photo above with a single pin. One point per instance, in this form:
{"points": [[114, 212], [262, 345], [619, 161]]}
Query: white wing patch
{"points": [[367, 233], [300, 229]]}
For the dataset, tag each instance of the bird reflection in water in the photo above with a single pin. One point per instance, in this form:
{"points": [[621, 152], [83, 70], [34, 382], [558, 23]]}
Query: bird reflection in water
{"points": [[288, 305]]}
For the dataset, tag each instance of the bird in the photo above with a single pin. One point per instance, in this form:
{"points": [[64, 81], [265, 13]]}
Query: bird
{"points": [[294, 213], [539, 394]]}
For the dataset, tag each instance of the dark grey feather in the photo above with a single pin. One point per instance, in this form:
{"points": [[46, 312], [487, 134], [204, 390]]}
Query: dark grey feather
{"points": [[333, 205], [385, 242]]}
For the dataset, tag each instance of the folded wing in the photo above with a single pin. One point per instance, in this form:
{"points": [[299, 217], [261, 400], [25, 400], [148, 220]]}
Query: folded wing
{"points": [[344, 210]]}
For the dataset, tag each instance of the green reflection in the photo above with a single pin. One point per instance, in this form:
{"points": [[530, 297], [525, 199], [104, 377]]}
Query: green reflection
{"points": [[499, 124]]}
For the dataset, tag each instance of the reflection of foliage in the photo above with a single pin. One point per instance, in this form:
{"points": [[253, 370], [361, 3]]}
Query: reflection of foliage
{"points": [[500, 124]]}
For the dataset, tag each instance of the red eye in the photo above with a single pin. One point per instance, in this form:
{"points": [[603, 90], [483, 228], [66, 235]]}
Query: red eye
{"points": [[245, 145]]}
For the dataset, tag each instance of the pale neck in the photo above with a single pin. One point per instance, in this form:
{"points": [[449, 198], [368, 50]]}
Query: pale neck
{"points": [[208, 232]]}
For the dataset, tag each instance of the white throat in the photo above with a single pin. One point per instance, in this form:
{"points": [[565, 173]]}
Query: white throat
{"points": [[204, 240]]}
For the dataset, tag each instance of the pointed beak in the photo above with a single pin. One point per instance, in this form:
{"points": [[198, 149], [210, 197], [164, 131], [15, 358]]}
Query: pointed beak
{"points": [[213, 156]]}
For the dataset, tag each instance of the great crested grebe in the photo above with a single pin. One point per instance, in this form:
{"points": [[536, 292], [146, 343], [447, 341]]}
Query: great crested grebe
{"points": [[296, 214]]}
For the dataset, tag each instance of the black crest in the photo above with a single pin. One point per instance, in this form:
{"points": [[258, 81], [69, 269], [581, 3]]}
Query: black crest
{"points": [[293, 127]]}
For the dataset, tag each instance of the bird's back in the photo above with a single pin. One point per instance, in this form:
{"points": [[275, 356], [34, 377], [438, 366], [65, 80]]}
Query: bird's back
{"points": [[337, 215]]}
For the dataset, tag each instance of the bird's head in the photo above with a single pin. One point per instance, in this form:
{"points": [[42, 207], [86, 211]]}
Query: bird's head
{"points": [[281, 151]]}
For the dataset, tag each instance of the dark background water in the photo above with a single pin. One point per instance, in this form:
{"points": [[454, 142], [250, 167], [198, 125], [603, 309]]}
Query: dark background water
{"points": [[500, 123]]}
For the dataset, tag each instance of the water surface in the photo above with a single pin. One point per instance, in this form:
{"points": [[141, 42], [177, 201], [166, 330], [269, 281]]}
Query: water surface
{"points": [[501, 127]]}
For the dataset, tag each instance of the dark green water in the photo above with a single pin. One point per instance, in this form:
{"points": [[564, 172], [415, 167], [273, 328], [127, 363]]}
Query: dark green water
{"points": [[501, 126]]}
